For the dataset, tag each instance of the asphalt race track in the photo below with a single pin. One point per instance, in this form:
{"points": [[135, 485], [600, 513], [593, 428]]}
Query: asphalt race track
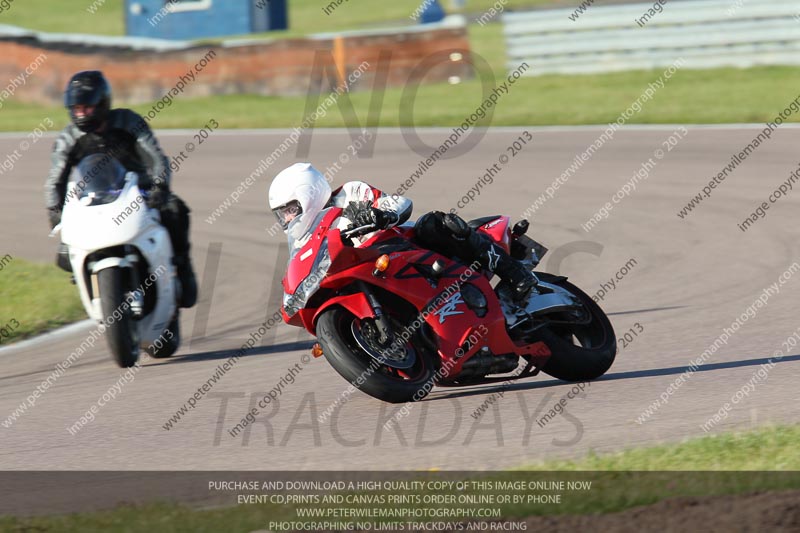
{"points": [[692, 277]]}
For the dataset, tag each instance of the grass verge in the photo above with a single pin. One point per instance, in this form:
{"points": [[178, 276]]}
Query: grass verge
{"points": [[305, 16], [715, 96], [690, 97], [38, 297], [770, 448], [615, 489]]}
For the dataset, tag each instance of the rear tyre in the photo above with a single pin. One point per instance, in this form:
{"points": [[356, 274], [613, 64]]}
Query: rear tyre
{"points": [[353, 363], [121, 333], [580, 352]]}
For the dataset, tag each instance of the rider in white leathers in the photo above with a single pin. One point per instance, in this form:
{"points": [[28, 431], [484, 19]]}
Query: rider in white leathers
{"points": [[299, 193]]}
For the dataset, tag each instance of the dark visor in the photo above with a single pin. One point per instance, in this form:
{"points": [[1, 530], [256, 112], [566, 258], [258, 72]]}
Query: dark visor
{"points": [[284, 213]]}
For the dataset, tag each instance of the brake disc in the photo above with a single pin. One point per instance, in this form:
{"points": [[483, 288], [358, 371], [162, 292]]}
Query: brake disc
{"points": [[394, 356]]}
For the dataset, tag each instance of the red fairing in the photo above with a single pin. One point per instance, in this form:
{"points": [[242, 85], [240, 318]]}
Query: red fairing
{"points": [[300, 265], [356, 303], [499, 231], [439, 302], [297, 270]]}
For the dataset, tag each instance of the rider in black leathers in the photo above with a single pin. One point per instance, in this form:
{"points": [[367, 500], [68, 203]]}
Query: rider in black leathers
{"points": [[124, 135]]}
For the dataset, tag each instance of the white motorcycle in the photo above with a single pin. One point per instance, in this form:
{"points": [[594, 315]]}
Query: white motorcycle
{"points": [[121, 259]]}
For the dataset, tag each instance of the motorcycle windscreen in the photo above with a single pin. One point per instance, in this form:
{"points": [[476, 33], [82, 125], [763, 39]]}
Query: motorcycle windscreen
{"points": [[295, 245], [98, 179]]}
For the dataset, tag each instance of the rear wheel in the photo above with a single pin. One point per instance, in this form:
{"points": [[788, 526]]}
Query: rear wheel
{"points": [[581, 352], [122, 335], [169, 341], [337, 329]]}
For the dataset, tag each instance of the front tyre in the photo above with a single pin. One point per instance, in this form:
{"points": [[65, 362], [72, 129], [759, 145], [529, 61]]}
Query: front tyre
{"points": [[581, 352], [121, 332], [335, 334]]}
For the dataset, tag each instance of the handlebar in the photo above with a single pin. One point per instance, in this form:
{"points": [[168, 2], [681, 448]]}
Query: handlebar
{"points": [[351, 232]]}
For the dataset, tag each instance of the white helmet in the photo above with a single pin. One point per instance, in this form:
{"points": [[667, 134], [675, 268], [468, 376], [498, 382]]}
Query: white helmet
{"points": [[300, 190]]}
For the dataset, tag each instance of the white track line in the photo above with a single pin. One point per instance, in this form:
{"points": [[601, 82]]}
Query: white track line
{"points": [[55, 334], [492, 129]]}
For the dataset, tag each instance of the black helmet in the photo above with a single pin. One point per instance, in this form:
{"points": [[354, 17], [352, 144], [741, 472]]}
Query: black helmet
{"points": [[91, 88]]}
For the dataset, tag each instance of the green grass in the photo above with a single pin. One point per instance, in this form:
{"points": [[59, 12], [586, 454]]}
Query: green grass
{"points": [[690, 97], [66, 17], [305, 16], [38, 297], [771, 448]]}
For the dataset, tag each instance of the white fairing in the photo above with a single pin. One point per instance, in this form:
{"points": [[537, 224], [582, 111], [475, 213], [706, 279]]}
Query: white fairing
{"points": [[88, 228]]}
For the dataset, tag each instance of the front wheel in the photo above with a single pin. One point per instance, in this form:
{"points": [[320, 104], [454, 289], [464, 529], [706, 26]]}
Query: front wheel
{"points": [[335, 329], [581, 352], [120, 326]]}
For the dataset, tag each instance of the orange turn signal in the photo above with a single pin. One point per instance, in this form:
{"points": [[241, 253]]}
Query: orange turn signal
{"points": [[382, 263], [316, 350]]}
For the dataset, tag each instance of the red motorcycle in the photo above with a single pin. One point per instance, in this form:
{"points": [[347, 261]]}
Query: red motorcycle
{"points": [[394, 318]]}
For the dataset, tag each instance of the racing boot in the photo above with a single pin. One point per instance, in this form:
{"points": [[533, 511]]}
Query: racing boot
{"points": [[512, 272], [187, 279], [62, 261], [175, 217], [491, 256], [62, 258]]}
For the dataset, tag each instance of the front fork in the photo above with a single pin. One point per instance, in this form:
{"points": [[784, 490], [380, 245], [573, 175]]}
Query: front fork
{"points": [[133, 279], [381, 322]]}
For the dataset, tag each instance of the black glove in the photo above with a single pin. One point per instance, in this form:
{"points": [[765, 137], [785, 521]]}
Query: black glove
{"points": [[457, 226], [363, 214], [157, 198], [54, 214]]}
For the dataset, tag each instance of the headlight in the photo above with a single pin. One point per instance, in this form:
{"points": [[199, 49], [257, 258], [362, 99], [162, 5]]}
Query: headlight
{"points": [[292, 303], [94, 197]]}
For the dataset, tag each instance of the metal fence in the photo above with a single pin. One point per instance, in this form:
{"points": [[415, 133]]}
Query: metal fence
{"points": [[706, 33]]}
